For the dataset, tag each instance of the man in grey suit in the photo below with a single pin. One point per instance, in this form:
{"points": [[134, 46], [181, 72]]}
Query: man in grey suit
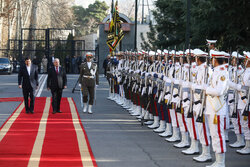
{"points": [[88, 80], [28, 81]]}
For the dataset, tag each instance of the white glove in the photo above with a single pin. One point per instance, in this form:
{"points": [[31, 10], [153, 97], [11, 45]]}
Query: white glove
{"points": [[190, 84], [193, 86], [177, 81], [204, 86], [79, 85], [166, 79], [92, 72], [238, 87], [172, 80]]}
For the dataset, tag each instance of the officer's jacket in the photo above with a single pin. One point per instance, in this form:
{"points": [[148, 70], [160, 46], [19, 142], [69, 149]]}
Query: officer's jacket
{"points": [[198, 80], [86, 72], [217, 90]]}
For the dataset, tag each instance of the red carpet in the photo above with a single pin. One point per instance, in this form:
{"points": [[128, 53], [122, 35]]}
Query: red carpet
{"points": [[45, 139]]}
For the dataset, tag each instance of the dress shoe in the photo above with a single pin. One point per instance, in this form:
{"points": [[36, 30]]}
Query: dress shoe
{"points": [[27, 111], [32, 112], [59, 111], [53, 112]]}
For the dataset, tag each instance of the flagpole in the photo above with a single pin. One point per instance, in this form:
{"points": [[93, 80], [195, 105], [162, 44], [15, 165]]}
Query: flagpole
{"points": [[135, 40], [112, 7]]}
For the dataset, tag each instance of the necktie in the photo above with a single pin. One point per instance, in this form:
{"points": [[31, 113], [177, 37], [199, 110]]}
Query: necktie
{"points": [[56, 70]]}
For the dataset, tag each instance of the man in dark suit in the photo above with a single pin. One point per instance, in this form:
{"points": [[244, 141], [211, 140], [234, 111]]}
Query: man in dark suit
{"points": [[57, 81], [28, 81]]}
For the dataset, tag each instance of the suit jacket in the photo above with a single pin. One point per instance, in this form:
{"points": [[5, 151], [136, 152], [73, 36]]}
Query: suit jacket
{"points": [[56, 81], [28, 81], [85, 71]]}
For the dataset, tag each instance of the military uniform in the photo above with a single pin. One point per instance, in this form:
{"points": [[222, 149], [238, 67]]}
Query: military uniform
{"points": [[236, 118], [191, 117], [88, 79], [198, 109], [216, 108], [166, 95], [175, 74]]}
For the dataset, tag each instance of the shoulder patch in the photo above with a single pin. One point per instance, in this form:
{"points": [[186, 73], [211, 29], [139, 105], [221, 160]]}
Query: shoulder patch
{"points": [[222, 78]]}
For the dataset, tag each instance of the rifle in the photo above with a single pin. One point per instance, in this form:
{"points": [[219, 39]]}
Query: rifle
{"points": [[172, 83], [236, 95], [190, 111], [247, 109], [165, 72], [180, 92]]}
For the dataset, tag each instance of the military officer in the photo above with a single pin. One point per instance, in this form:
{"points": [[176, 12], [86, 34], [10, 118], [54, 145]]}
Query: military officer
{"points": [[175, 99], [184, 102], [198, 107], [211, 44], [191, 123], [216, 107], [88, 79], [235, 72], [166, 94]]}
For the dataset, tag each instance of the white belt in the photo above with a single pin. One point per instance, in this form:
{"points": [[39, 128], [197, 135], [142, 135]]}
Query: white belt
{"points": [[87, 76]]}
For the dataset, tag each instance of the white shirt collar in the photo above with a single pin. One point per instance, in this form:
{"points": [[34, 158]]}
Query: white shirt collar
{"points": [[28, 69], [89, 64], [58, 68]]}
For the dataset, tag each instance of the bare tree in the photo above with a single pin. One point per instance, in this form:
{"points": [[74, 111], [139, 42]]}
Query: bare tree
{"points": [[18, 14]]}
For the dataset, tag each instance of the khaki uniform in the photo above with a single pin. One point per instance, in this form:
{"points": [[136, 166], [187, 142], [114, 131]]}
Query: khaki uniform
{"points": [[88, 79]]}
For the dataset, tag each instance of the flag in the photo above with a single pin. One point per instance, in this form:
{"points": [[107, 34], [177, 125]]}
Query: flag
{"points": [[115, 34]]}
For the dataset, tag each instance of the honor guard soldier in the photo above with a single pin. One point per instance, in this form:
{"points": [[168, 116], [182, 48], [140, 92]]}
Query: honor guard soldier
{"points": [[235, 71], [184, 100], [153, 91], [150, 85], [88, 79], [127, 103], [243, 104], [198, 106], [191, 117], [216, 107], [112, 77], [147, 116], [211, 44], [166, 94], [175, 99], [160, 90]]}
